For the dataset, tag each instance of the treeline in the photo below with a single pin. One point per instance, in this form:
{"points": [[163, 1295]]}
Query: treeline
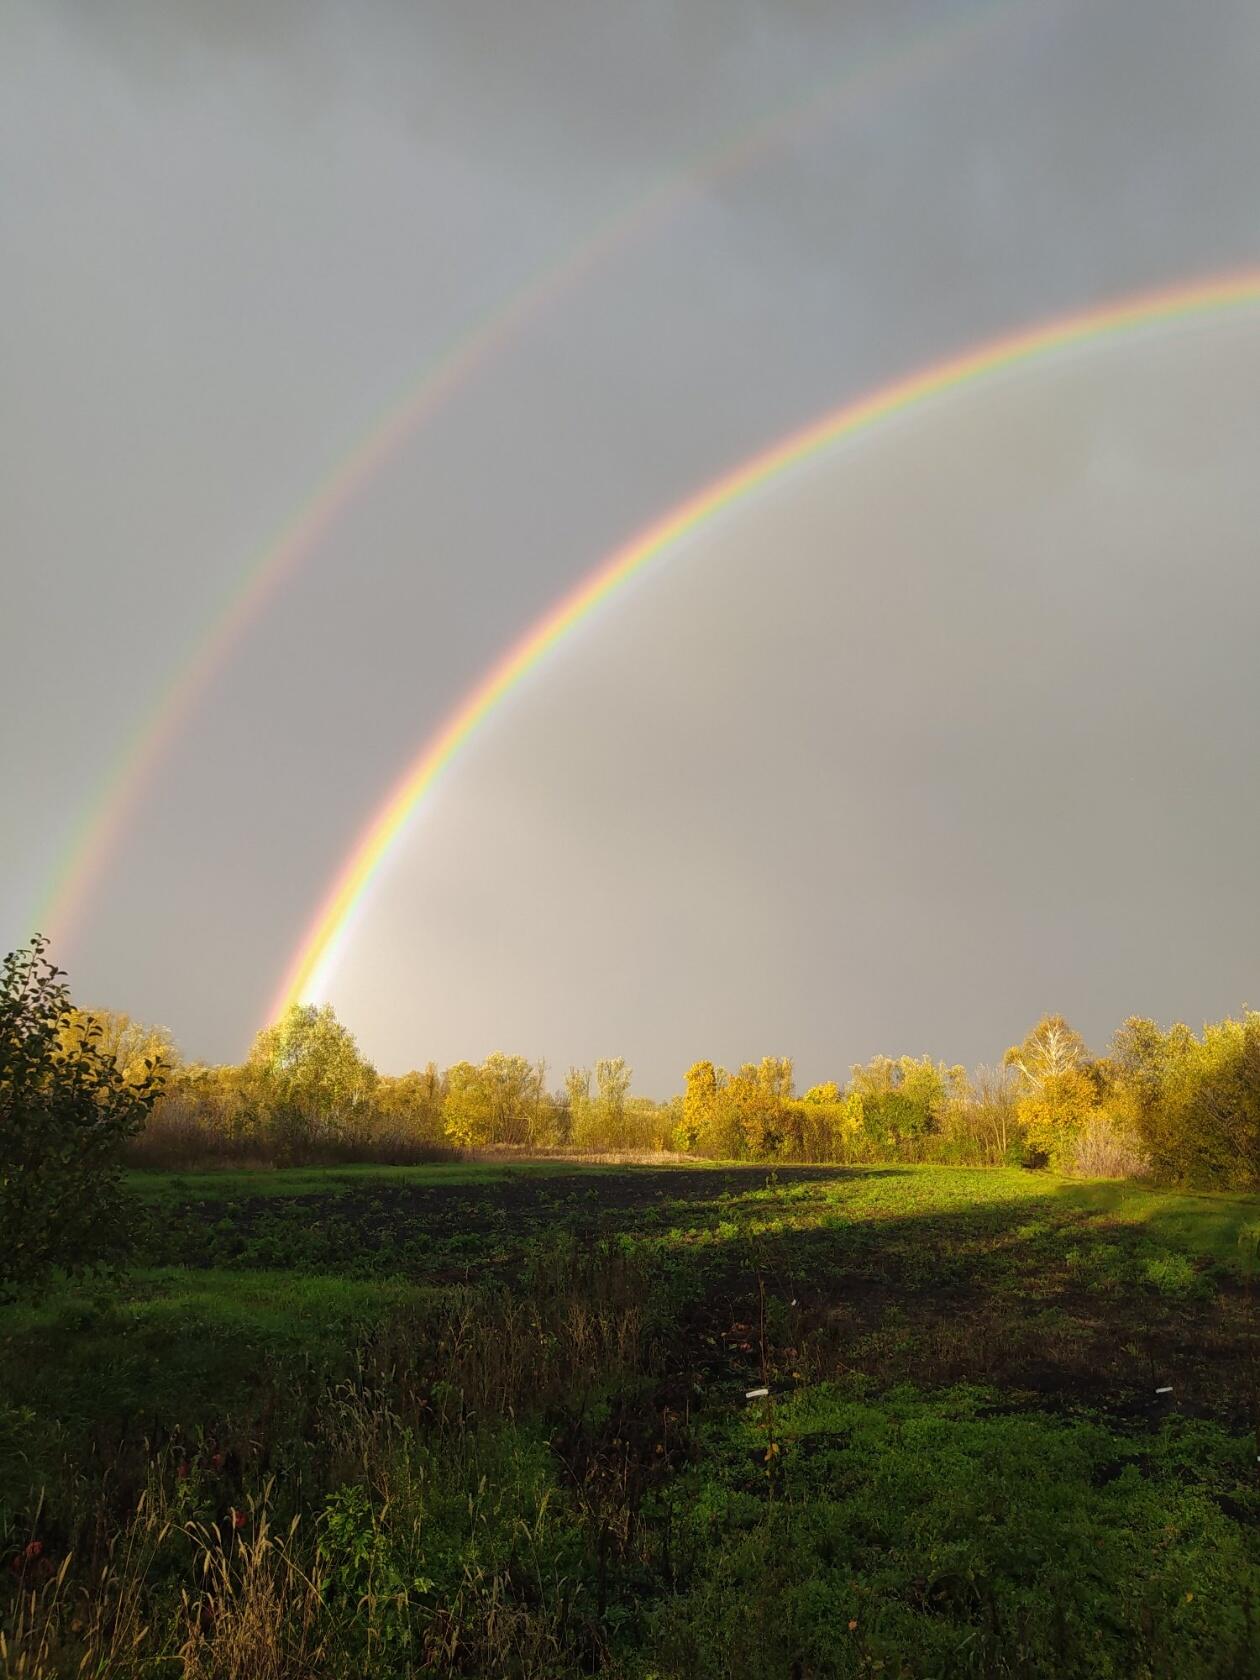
{"points": [[1181, 1107]]}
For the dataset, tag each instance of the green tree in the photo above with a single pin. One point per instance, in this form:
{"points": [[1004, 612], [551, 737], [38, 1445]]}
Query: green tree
{"points": [[1191, 1104], [897, 1103], [66, 1109]]}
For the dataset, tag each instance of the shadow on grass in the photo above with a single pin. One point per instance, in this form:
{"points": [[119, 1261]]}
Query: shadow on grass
{"points": [[1078, 1294]]}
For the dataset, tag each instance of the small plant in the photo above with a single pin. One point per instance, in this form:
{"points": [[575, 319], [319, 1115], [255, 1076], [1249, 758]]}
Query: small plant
{"points": [[1174, 1276], [362, 1570]]}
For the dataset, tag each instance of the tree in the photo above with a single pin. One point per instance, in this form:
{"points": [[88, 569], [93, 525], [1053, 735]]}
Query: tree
{"points": [[816, 1128], [827, 1095], [133, 1046], [577, 1089], [309, 1076], [701, 1107], [411, 1103], [1059, 1089], [1192, 1105], [612, 1087], [1055, 1113], [899, 1102], [758, 1096], [66, 1109], [469, 1112], [992, 1111], [498, 1102], [1051, 1048]]}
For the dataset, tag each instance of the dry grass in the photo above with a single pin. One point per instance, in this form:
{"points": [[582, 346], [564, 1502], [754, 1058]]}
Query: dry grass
{"points": [[177, 1139], [259, 1613], [592, 1157], [92, 1625]]}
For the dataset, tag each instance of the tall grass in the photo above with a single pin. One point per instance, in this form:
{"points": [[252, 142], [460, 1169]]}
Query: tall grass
{"points": [[406, 1525]]}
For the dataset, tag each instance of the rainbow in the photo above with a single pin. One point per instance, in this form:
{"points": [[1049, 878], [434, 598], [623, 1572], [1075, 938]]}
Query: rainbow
{"points": [[326, 937], [83, 858]]}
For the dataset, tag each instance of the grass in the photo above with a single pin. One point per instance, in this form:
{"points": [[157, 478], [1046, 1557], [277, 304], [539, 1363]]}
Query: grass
{"points": [[1201, 1222], [486, 1418], [226, 1183], [932, 1536]]}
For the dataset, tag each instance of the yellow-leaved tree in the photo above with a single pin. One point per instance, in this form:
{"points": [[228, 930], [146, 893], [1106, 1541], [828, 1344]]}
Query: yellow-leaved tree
{"points": [[308, 1076], [700, 1107], [134, 1048], [758, 1097], [502, 1101], [1059, 1090]]}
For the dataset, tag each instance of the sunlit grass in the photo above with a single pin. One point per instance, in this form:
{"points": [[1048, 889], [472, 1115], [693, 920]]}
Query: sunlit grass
{"points": [[505, 1405]]}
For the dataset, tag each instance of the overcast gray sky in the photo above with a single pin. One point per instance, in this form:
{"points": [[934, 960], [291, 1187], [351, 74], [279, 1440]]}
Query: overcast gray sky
{"points": [[951, 728]]}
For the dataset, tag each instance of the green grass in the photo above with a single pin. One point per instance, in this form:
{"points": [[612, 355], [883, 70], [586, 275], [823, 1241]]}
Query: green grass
{"points": [[517, 1393], [94, 1372], [229, 1182], [1200, 1222], [841, 1536]]}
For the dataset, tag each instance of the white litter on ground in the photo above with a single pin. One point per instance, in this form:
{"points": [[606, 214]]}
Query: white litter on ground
{"points": [[757, 1394]]}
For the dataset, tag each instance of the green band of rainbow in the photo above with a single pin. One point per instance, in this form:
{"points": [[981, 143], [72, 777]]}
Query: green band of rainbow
{"points": [[326, 937], [865, 80]]}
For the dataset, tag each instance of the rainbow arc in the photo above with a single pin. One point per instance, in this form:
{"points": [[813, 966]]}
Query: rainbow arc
{"points": [[326, 937], [871, 78]]}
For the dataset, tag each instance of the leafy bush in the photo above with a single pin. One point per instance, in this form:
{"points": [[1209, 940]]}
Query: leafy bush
{"points": [[1192, 1103], [66, 1109]]}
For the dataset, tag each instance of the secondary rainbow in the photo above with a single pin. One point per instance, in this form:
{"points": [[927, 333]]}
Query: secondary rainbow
{"points": [[82, 859], [326, 937]]}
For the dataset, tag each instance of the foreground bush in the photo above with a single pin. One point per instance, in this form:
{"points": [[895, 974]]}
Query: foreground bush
{"points": [[66, 1110]]}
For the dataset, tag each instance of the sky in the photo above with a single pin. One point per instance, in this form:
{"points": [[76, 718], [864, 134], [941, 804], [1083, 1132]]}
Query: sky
{"points": [[951, 728]]}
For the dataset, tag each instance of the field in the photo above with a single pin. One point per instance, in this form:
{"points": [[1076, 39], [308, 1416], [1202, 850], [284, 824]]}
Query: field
{"points": [[488, 1420]]}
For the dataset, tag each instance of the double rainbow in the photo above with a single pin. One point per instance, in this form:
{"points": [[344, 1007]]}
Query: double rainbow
{"points": [[326, 937], [867, 79]]}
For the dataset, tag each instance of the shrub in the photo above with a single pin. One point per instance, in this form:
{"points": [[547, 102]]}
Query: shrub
{"points": [[66, 1109], [1103, 1151]]}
